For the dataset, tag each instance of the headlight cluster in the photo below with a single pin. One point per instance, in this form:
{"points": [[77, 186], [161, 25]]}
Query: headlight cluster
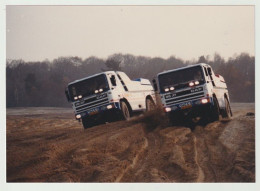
{"points": [[78, 116], [205, 100], [168, 89], [109, 106], [167, 109], [100, 90], [77, 97], [194, 83]]}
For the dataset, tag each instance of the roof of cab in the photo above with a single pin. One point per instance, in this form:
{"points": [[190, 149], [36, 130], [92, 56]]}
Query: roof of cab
{"points": [[106, 72], [190, 66]]}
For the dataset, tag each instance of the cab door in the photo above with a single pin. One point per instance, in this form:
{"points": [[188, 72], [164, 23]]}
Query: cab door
{"points": [[218, 91]]}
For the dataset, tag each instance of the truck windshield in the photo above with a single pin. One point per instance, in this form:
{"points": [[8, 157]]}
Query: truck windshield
{"points": [[89, 86], [180, 78]]}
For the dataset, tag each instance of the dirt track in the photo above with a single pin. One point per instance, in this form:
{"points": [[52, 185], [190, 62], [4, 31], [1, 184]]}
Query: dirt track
{"points": [[48, 145]]}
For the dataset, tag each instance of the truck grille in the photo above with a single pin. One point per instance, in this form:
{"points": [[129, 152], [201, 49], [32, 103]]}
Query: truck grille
{"points": [[183, 96], [90, 103]]}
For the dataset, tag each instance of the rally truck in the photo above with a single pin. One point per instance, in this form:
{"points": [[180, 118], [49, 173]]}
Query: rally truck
{"points": [[193, 91], [109, 96]]}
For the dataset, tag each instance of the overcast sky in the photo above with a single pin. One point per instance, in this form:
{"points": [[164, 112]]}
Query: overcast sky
{"points": [[35, 33]]}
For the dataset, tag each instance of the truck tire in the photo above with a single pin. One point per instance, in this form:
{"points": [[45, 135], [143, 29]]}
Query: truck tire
{"points": [[126, 113], [87, 123], [227, 113], [215, 110], [149, 104]]}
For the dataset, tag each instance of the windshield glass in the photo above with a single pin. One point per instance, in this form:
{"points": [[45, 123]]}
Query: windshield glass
{"points": [[88, 87], [181, 78]]}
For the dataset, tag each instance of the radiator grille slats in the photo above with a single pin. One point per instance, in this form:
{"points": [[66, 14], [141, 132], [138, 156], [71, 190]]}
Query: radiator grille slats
{"points": [[97, 105], [187, 95], [91, 103]]}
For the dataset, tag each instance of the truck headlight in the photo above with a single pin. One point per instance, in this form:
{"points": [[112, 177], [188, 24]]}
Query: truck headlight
{"points": [[197, 82], [166, 89], [204, 100], [78, 116], [101, 90], [80, 96], [167, 109], [75, 98], [109, 107], [96, 91], [191, 84], [171, 88]]}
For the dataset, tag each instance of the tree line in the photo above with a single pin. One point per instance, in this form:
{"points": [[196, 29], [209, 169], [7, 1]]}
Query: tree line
{"points": [[40, 84]]}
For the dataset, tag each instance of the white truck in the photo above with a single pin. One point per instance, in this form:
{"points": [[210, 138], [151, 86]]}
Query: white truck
{"points": [[193, 91], [108, 96]]}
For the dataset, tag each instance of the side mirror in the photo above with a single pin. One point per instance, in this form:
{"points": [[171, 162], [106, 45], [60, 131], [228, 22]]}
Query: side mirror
{"points": [[67, 94], [155, 87], [113, 80]]}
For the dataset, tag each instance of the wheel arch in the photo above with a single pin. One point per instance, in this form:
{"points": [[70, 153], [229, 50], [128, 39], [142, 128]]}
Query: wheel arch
{"points": [[127, 103], [149, 97]]}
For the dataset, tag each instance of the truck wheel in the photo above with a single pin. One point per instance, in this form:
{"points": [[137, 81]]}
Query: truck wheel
{"points": [[149, 104], [215, 110], [227, 113], [87, 123], [125, 111]]}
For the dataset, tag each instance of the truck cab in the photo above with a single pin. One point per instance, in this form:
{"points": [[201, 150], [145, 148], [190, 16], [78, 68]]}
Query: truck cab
{"points": [[194, 91], [108, 96]]}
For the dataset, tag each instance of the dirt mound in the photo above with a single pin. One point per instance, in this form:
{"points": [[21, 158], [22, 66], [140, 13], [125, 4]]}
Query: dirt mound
{"points": [[46, 147]]}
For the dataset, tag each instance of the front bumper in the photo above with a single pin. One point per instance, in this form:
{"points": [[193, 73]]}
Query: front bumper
{"points": [[100, 111], [194, 107]]}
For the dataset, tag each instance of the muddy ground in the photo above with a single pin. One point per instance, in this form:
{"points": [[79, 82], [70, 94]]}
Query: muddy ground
{"points": [[49, 145]]}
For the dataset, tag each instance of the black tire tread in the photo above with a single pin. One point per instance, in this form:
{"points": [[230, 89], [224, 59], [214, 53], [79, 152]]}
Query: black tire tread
{"points": [[124, 105]]}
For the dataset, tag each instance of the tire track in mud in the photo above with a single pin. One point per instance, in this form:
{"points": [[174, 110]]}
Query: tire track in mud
{"points": [[220, 143], [213, 157], [42, 149], [95, 152], [149, 166], [67, 152], [134, 162], [201, 174], [155, 143]]}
